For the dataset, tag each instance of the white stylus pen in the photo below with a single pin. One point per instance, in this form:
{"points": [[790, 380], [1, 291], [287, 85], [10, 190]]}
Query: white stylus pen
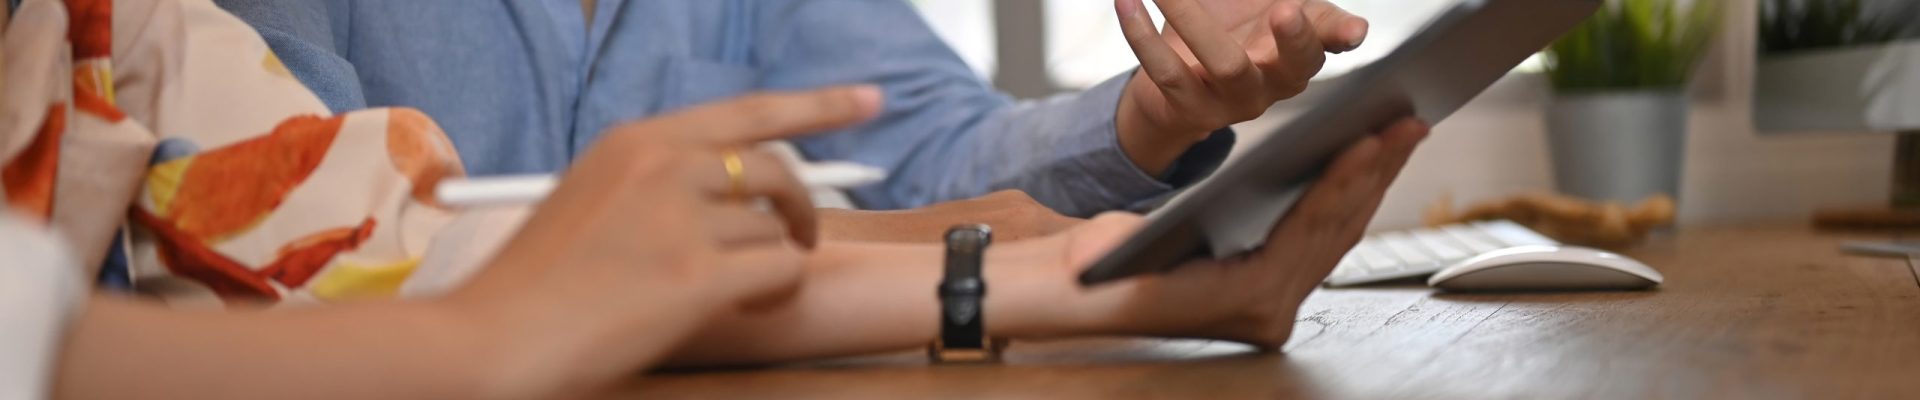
{"points": [[524, 189]]}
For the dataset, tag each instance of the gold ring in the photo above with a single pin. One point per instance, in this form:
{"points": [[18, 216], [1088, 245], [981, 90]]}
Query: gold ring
{"points": [[736, 175]]}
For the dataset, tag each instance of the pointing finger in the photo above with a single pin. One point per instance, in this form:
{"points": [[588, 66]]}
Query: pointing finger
{"points": [[770, 116], [1161, 63]]}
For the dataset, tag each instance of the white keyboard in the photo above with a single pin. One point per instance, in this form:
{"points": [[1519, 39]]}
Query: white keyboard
{"points": [[1419, 252]]}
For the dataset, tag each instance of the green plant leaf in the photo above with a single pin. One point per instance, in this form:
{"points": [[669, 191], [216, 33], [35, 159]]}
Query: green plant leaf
{"points": [[1634, 44]]}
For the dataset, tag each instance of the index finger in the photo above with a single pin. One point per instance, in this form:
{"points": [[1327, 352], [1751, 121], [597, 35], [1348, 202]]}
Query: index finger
{"points": [[763, 176], [773, 115], [1162, 65]]}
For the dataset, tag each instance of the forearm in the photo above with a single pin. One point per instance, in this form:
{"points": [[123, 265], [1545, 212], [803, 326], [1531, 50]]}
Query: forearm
{"points": [[957, 144], [128, 349], [124, 349], [900, 226], [1152, 147], [1013, 215], [861, 298]]}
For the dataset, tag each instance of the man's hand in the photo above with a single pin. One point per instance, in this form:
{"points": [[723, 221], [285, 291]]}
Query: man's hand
{"points": [[1252, 298], [1219, 62]]}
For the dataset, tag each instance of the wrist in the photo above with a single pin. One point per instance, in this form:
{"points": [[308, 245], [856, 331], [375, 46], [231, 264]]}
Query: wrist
{"points": [[1152, 142], [501, 360], [544, 337], [1031, 296]]}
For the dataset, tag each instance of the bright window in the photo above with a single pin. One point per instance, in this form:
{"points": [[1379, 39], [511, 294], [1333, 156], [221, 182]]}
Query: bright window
{"points": [[1084, 42], [1085, 46], [967, 25]]}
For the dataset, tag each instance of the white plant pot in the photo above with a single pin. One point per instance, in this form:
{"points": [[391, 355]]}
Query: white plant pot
{"points": [[1618, 146]]}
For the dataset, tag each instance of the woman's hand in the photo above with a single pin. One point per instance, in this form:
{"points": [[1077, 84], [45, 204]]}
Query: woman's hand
{"points": [[649, 234], [1219, 62]]}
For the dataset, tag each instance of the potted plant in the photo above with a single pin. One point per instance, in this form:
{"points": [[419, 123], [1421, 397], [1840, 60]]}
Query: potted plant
{"points": [[1617, 125]]}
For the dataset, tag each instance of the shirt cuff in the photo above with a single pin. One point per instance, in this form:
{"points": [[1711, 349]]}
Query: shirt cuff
{"points": [[1198, 163], [1124, 179]]}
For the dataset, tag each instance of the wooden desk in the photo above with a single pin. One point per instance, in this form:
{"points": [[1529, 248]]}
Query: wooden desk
{"points": [[1754, 313]]}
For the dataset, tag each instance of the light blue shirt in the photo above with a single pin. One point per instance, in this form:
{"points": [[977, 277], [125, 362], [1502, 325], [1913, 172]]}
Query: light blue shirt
{"points": [[523, 86]]}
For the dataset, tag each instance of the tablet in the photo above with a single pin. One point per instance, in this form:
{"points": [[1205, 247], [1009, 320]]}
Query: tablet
{"points": [[1431, 75]]}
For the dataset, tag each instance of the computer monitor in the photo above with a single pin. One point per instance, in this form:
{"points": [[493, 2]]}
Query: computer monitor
{"points": [[1838, 65], [1845, 66]]}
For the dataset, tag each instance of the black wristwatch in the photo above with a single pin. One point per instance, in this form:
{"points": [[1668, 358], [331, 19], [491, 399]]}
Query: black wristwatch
{"points": [[963, 334]]}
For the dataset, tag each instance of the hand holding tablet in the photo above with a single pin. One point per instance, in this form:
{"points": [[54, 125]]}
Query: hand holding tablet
{"points": [[1433, 74]]}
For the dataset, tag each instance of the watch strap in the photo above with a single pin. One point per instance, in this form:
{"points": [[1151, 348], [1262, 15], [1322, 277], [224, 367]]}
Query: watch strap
{"points": [[962, 291]]}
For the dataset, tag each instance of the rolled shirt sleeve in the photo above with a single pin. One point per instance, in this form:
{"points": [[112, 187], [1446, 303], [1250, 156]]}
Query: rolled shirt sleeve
{"points": [[945, 134], [1087, 171]]}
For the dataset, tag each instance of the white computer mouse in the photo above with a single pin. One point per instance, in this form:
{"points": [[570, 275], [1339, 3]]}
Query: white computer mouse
{"points": [[1542, 268]]}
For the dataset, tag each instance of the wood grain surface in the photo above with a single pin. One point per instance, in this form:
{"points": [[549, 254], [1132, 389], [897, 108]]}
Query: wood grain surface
{"points": [[1750, 313]]}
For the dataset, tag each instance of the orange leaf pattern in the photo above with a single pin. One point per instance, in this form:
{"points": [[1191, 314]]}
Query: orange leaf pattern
{"points": [[283, 191], [230, 189], [29, 176]]}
